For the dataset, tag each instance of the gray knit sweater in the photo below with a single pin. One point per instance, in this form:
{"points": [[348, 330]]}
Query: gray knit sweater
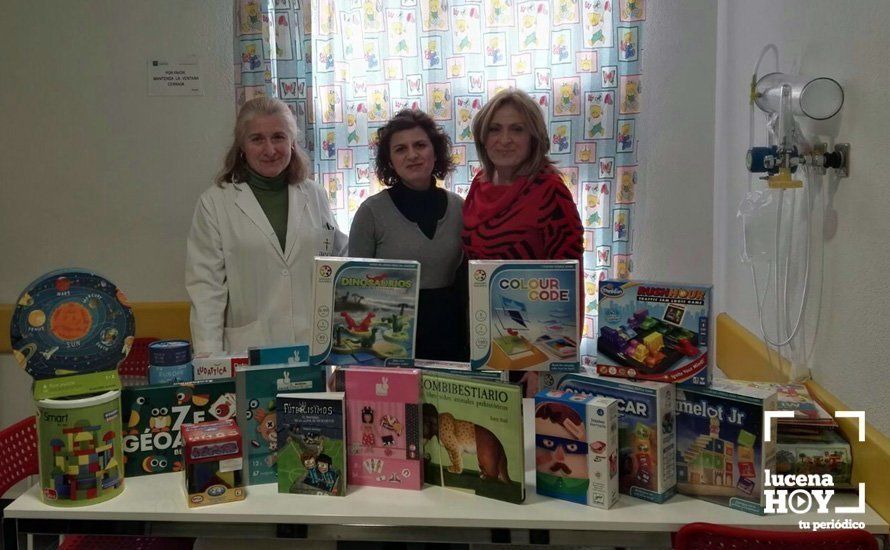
{"points": [[379, 230]]}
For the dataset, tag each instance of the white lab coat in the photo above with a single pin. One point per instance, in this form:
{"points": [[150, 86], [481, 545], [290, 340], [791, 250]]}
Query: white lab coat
{"points": [[244, 290]]}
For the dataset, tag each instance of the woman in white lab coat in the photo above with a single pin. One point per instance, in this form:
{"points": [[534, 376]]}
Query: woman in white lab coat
{"points": [[254, 235]]}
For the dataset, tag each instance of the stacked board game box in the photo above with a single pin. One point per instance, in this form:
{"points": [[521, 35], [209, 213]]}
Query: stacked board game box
{"points": [[721, 452], [654, 331]]}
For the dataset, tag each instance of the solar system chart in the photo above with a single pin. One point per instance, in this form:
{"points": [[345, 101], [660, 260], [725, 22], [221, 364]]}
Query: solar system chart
{"points": [[71, 322]]}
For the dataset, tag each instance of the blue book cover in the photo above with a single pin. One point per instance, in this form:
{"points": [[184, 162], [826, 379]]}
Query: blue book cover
{"points": [[256, 388], [311, 429]]}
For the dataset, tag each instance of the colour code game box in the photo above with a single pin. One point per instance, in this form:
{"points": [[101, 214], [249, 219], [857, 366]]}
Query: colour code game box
{"points": [[654, 331], [524, 315], [365, 312], [721, 454]]}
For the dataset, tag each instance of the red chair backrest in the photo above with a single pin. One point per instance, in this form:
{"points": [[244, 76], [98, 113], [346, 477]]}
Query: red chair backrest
{"points": [[696, 536], [18, 458], [136, 362]]}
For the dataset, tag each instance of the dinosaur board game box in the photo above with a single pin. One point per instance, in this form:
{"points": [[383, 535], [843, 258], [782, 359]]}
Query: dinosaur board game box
{"points": [[654, 331], [256, 387], [524, 315], [472, 436], [154, 415], [646, 442], [721, 454], [383, 427], [576, 447], [365, 312], [312, 434]]}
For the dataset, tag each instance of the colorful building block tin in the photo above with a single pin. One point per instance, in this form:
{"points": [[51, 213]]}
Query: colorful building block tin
{"points": [[80, 449], [524, 315], [654, 331], [576, 447], [646, 442], [71, 322], [721, 455]]}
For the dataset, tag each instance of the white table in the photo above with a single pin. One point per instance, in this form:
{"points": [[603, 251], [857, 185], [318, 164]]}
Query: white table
{"points": [[156, 505]]}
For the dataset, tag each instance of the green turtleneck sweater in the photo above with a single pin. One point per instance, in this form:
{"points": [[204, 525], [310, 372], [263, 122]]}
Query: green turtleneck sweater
{"points": [[271, 193]]}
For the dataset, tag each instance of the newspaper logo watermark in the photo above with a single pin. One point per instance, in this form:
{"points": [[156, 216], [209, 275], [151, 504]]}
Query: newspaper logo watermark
{"points": [[805, 493]]}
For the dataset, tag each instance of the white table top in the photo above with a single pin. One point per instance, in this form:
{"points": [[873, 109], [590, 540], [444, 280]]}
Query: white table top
{"points": [[161, 498]]}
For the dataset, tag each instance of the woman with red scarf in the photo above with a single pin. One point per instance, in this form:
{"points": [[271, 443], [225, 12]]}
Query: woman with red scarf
{"points": [[518, 207]]}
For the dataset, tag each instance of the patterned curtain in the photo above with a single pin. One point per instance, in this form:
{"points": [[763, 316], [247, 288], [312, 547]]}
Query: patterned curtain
{"points": [[346, 66]]}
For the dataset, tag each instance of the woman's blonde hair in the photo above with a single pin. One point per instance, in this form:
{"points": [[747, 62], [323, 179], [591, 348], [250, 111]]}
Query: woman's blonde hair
{"points": [[537, 160], [235, 166]]}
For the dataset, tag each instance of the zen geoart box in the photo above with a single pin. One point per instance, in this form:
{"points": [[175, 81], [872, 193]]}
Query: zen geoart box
{"points": [[365, 312]]}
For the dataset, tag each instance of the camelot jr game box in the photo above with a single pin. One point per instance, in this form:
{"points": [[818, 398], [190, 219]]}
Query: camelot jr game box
{"points": [[365, 312], [721, 452], [654, 331], [524, 315]]}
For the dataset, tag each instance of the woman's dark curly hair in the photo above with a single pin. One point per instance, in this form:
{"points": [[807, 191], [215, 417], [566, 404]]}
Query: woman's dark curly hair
{"points": [[406, 119]]}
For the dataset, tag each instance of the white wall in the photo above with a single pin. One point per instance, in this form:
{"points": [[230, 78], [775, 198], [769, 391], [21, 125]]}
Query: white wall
{"points": [[93, 172], [849, 42], [673, 236]]}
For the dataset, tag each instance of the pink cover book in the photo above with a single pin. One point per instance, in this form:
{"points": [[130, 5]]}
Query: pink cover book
{"points": [[383, 427]]}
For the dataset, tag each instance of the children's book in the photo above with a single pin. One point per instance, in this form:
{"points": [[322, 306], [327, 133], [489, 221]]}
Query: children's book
{"points": [[383, 427], [256, 388], [154, 414], [272, 355], [524, 315], [472, 436], [312, 455], [809, 416], [365, 311]]}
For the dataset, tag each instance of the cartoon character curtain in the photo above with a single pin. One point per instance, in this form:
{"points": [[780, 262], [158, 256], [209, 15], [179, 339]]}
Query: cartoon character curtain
{"points": [[346, 66]]}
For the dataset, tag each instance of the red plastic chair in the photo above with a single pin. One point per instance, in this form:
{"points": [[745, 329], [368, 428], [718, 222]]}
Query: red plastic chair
{"points": [[136, 362], [19, 457], [19, 460], [699, 536]]}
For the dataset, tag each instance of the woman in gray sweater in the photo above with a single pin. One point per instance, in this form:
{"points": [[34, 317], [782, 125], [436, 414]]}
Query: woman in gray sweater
{"points": [[416, 220]]}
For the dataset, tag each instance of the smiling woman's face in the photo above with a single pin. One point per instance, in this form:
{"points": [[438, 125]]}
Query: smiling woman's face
{"points": [[413, 157], [508, 142], [268, 147]]}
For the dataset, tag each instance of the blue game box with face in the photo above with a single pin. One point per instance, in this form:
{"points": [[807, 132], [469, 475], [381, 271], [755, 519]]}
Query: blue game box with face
{"points": [[645, 430]]}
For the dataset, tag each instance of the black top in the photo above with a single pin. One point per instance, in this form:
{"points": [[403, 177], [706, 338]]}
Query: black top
{"points": [[425, 208]]}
